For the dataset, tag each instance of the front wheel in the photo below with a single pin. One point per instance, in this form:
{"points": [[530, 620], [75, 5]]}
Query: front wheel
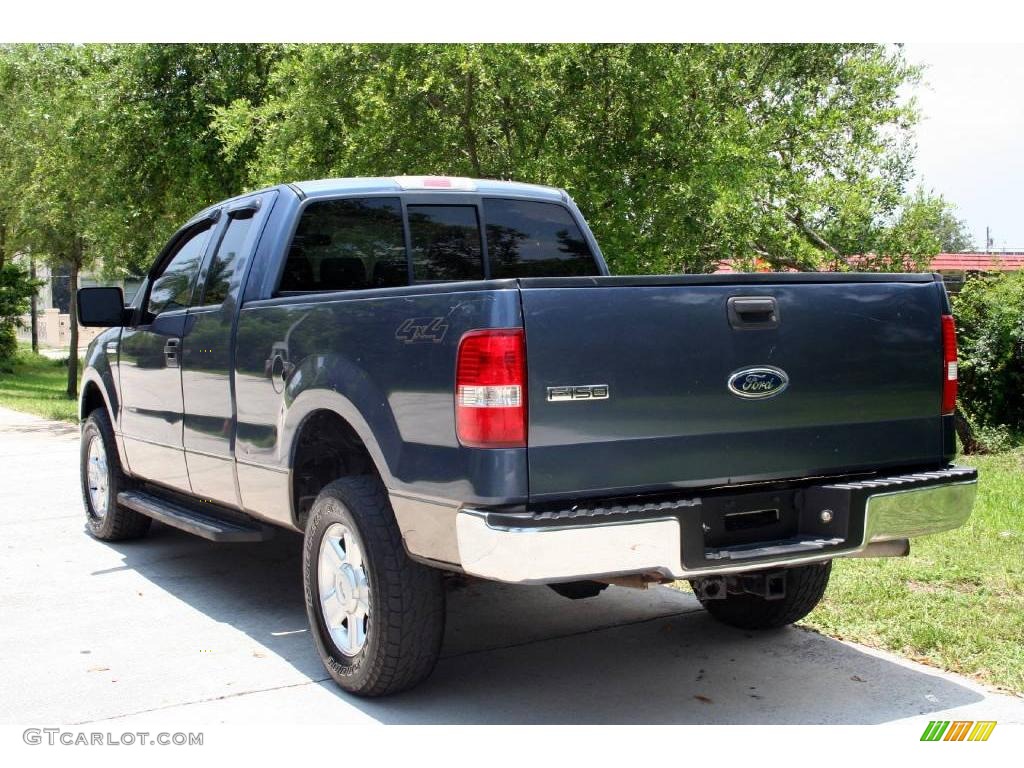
{"points": [[102, 479], [805, 586], [377, 617]]}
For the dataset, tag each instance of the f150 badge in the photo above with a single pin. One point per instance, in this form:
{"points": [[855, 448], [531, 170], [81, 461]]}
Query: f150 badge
{"points": [[758, 383], [578, 393]]}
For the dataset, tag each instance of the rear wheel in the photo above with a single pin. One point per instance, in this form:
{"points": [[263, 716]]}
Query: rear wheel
{"points": [[102, 480], [377, 617], [805, 586]]}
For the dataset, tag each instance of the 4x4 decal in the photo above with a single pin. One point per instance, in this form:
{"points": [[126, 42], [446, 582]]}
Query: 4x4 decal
{"points": [[422, 329]]}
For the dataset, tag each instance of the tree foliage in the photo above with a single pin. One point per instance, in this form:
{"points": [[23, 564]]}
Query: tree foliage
{"points": [[50, 112], [681, 156], [165, 161]]}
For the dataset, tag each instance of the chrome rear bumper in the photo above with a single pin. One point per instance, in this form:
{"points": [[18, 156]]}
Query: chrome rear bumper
{"points": [[893, 509]]}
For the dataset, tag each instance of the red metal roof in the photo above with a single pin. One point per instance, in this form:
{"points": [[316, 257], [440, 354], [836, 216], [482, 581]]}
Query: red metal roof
{"points": [[977, 262], [944, 262]]}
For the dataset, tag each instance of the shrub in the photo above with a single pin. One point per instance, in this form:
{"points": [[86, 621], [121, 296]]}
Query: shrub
{"points": [[990, 334], [16, 288]]}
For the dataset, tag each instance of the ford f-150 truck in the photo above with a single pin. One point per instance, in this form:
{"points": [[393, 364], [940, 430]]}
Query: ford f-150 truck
{"points": [[430, 374]]}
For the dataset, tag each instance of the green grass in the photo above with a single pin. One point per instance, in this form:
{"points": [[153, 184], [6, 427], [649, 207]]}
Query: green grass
{"points": [[36, 384], [957, 601]]}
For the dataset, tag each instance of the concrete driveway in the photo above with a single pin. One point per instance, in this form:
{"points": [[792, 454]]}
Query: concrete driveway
{"points": [[175, 631]]}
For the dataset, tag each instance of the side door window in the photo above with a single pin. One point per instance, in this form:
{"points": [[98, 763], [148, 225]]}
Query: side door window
{"points": [[347, 244], [226, 266], [172, 288]]}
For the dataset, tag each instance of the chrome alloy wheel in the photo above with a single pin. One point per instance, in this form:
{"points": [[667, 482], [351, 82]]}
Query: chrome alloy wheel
{"points": [[98, 477], [344, 589]]}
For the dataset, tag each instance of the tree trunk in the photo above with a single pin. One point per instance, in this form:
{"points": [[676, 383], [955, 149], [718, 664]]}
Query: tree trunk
{"points": [[33, 304], [965, 432], [466, 119], [76, 259]]}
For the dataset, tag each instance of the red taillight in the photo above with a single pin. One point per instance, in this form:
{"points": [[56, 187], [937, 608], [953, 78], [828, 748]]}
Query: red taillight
{"points": [[490, 389], [948, 364]]}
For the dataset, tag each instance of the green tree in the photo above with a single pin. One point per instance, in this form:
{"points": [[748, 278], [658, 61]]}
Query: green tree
{"points": [[680, 155], [53, 109], [108, 149], [990, 332], [163, 160], [922, 226], [952, 231], [16, 287]]}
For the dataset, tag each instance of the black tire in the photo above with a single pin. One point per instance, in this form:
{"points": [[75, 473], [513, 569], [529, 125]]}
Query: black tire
{"points": [[115, 523], [805, 586], [406, 613]]}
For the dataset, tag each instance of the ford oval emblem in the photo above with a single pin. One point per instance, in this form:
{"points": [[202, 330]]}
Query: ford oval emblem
{"points": [[758, 383]]}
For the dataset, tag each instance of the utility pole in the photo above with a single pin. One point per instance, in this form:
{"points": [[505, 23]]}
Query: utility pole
{"points": [[988, 241]]}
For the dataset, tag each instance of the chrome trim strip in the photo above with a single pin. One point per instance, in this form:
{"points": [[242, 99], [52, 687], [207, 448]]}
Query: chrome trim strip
{"points": [[257, 465], [571, 552]]}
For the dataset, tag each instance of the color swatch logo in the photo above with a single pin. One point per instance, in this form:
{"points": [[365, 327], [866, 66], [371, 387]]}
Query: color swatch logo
{"points": [[958, 730]]}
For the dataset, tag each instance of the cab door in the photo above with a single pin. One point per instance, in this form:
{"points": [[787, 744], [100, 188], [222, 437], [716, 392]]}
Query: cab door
{"points": [[150, 362], [207, 353]]}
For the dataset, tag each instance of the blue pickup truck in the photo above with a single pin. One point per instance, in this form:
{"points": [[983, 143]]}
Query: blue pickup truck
{"points": [[433, 374]]}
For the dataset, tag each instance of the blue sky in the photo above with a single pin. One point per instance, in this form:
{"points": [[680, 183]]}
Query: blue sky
{"points": [[971, 137]]}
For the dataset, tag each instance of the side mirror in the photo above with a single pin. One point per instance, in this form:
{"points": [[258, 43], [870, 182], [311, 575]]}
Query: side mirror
{"points": [[100, 307]]}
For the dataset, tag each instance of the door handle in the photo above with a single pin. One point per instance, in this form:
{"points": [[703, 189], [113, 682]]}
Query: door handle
{"points": [[753, 312], [171, 352]]}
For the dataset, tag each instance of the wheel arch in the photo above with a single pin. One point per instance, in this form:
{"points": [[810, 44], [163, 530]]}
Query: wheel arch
{"points": [[327, 439], [91, 398]]}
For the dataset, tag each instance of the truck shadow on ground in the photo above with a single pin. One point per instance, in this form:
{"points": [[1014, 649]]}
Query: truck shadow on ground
{"points": [[515, 654]]}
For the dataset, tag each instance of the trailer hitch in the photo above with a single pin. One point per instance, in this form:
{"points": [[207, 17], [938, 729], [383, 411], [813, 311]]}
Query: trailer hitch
{"points": [[769, 585]]}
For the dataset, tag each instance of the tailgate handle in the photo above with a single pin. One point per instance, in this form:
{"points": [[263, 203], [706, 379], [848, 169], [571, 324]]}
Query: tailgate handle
{"points": [[753, 312]]}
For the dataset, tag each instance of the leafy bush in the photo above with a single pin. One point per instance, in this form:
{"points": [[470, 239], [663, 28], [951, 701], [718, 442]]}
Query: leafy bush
{"points": [[16, 287], [990, 333], [997, 439], [8, 346]]}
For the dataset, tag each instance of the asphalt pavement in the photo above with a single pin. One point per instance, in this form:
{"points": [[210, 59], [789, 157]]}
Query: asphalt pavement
{"points": [[176, 631]]}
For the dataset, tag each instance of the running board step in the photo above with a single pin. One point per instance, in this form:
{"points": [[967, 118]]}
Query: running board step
{"points": [[179, 516]]}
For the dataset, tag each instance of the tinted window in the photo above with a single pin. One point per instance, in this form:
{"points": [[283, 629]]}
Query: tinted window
{"points": [[226, 262], [530, 239], [347, 244], [173, 288], [445, 243]]}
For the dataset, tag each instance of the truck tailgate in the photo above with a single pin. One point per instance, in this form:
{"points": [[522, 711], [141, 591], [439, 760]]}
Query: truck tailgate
{"points": [[862, 355]]}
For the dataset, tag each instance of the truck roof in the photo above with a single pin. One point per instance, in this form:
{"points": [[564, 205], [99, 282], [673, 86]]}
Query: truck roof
{"points": [[398, 184], [327, 187]]}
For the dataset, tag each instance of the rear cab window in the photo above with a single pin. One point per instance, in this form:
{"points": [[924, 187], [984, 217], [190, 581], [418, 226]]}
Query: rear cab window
{"points": [[357, 243], [527, 238], [445, 243]]}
